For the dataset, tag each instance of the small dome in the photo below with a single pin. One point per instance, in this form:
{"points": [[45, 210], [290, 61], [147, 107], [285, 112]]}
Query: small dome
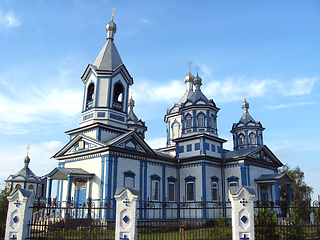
{"points": [[131, 102], [245, 105], [111, 26], [189, 77], [197, 80], [26, 159]]}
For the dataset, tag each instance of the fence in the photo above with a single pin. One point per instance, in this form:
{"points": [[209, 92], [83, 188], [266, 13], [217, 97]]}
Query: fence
{"points": [[89, 221], [166, 220], [287, 222], [199, 220]]}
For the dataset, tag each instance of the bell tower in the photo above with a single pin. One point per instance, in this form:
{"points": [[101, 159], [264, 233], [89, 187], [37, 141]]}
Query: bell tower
{"points": [[106, 86]]}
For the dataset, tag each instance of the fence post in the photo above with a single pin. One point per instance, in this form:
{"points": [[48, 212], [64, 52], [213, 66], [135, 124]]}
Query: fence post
{"points": [[126, 213], [19, 214], [242, 212]]}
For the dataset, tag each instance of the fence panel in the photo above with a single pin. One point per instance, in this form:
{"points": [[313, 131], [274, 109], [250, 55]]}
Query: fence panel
{"points": [[166, 220], [294, 222], [90, 221]]}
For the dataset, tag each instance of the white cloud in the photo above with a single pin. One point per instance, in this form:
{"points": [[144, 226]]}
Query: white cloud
{"points": [[9, 19], [227, 90], [52, 146], [157, 142], [289, 105], [299, 87], [148, 91], [143, 20]]}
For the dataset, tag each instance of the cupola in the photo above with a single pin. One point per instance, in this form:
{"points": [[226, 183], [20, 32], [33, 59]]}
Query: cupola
{"points": [[247, 132]]}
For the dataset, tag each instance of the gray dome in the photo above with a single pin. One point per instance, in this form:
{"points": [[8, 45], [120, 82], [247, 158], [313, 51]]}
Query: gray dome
{"points": [[197, 80], [27, 159]]}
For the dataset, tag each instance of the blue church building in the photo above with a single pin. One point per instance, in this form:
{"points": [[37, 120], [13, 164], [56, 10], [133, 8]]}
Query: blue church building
{"points": [[108, 149]]}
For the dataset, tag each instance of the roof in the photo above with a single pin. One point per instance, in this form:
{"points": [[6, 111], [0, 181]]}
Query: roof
{"points": [[279, 178], [242, 152], [109, 58], [60, 173], [24, 175]]}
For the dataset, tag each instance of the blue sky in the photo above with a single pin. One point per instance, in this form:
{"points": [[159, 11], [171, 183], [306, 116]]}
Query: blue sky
{"points": [[267, 49]]}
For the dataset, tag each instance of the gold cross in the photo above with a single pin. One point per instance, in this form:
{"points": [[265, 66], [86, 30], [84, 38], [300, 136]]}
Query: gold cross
{"points": [[189, 66], [197, 69], [244, 95], [28, 150], [132, 93], [113, 12]]}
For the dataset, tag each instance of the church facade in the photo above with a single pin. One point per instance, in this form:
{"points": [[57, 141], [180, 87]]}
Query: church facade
{"points": [[108, 149]]}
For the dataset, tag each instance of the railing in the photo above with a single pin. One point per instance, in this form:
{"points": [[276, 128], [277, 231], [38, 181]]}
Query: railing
{"points": [[287, 222]]}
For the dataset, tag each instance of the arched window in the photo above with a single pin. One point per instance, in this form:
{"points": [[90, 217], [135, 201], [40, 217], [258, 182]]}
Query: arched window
{"points": [[201, 120], [117, 96], [188, 120], [175, 130], [252, 138], [241, 140], [90, 95], [31, 187]]}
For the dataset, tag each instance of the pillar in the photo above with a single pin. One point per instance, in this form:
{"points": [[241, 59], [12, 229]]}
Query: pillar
{"points": [[19, 214], [242, 198], [126, 213]]}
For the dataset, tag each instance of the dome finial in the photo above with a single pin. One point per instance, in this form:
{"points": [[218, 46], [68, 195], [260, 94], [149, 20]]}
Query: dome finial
{"points": [[197, 70], [28, 150], [245, 104], [112, 12], [190, 63]]}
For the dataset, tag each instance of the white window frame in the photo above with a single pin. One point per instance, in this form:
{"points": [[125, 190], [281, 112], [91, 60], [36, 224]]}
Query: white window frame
{"points": [[171, 194], [189, 196], [155, 190], [214, 190]]}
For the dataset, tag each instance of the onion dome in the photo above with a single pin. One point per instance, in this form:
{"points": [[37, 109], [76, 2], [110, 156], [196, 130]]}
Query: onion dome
{"points": [[197, 82], [189, 78], [111, 29], [245, 106], [26, 161]]}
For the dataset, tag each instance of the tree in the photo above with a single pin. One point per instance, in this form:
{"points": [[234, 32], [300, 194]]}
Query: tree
{"points": [[301, 195], [3, 210], [301, 192]]}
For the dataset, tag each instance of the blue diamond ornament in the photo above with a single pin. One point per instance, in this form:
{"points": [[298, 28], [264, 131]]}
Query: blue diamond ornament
{"points": [[244, 219], [15, 219], [126, 219]]}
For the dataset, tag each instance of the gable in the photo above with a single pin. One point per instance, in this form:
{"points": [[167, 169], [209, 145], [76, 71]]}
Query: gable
{"points": [[265, 154], [131, 141], [79, 144]]}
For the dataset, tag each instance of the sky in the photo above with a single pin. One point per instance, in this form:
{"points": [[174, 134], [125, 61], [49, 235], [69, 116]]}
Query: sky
{"points": [[268, 50]]}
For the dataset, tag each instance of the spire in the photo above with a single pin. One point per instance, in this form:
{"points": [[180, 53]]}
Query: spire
{"points": [[108, 58]]}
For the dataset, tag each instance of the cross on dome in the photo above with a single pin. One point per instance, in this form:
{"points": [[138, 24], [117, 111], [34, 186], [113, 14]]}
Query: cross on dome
{"points": [[190, 63], [112, 12]]}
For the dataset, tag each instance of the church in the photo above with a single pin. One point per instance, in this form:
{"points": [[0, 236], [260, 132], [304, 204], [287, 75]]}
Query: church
{"points": [[108, 150]]}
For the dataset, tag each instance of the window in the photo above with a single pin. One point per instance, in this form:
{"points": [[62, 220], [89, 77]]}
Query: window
{"points": [[252, 139], [128, 182], [117, 96], [18, 186], [214, 191], [233, 184], [171, 192], [241, 140], [190, 191], [155, 190], [175, 130], [90, 95], [129, 179], [201, 120], [31, 187], [188, 122]]}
